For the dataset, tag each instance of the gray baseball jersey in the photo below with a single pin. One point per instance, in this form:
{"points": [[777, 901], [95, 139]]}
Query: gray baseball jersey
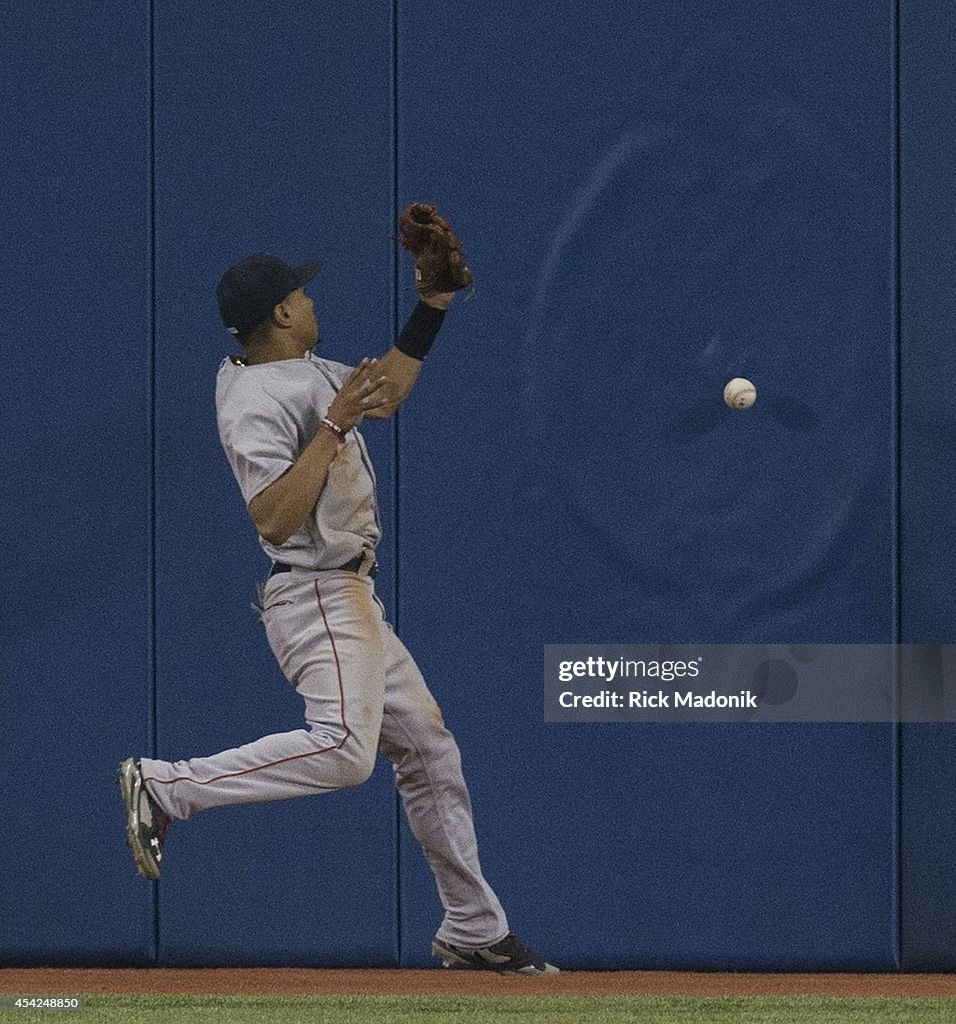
{"points": [[267, 414]]}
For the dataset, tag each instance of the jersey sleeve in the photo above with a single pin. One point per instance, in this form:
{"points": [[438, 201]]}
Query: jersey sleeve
{"points": [[261, 443]]}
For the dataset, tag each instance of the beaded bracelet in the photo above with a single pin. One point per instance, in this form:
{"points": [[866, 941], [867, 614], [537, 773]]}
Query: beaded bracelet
{"points": [[334, 427]]}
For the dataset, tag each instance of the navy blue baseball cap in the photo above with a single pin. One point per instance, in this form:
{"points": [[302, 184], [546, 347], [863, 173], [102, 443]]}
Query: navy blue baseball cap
{"points": [[249, 291]]}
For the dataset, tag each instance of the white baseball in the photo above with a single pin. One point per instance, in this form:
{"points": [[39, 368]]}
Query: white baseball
{"points": [[740, 394]]}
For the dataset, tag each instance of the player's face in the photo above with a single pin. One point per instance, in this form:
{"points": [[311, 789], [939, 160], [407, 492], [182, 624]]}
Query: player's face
{"points": [[306, 323]]}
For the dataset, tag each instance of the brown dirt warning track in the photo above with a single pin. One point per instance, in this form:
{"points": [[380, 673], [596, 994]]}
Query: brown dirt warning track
{"points": [[301, 981]]}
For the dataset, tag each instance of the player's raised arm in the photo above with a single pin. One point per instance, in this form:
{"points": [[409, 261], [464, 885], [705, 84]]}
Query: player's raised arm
{"points": [[402, 363], [440, 272]]}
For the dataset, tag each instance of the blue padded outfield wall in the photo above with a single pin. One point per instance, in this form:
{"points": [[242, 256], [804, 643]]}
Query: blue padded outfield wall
{"points": [[928, 479], [75, 639], [653, 200], [268, 138]]}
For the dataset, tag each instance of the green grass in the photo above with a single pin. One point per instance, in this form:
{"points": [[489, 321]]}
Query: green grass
{"points": [[494, 1010]]}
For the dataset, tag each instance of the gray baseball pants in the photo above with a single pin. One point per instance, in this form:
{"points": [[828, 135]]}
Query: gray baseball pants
{"points": [[363, 694]]}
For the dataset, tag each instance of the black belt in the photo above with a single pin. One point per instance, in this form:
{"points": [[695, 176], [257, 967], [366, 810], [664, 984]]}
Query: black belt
{"points": [[353, 565]]}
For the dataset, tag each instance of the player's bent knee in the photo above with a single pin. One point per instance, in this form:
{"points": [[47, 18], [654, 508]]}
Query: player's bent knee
{"points": [[357, 767], [439, 752], [439, 744]]}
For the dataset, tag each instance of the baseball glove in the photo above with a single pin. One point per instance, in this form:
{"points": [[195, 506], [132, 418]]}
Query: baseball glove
{"points": [[439, 264]]}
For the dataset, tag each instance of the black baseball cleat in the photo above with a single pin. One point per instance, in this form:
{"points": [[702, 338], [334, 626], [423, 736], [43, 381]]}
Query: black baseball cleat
{"points": [[509, 956], [146, 822]]}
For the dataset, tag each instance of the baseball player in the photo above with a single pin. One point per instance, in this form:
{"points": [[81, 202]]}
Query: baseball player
{"points": [[288, 422]]}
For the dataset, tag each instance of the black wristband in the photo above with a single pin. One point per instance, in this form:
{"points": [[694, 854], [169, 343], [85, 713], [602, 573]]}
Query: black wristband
{"points": [[420, 332]]}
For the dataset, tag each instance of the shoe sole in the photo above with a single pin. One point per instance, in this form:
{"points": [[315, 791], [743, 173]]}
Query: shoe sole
{"points": [[450, 959], [130, 782]]}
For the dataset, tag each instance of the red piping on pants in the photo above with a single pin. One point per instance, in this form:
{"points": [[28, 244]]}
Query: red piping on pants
{"points": [[294, 757]]}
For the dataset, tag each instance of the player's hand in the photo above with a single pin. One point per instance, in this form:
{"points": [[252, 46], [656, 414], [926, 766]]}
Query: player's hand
{"points": [[440, 300], [365, 391]]}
